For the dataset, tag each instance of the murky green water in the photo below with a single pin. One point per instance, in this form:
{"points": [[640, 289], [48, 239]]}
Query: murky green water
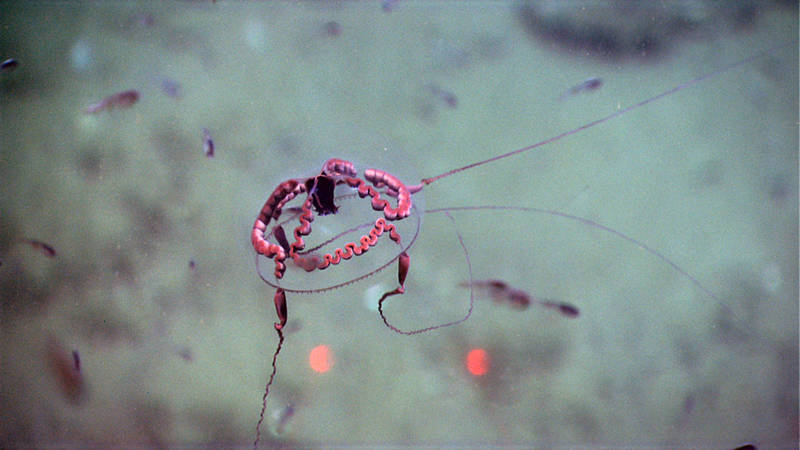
{"points": [[172, 354]]}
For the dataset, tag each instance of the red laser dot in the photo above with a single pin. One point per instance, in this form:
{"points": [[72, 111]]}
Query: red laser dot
{"points": [[320, 359], [477, 362]]}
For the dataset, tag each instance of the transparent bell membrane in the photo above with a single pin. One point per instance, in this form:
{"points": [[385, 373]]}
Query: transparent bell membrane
{"points": [[354, 219]]}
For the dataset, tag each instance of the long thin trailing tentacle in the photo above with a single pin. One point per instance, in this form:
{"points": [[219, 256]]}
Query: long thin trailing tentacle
{"points": [[607, 229], [280, 308], [266, 390], [613, 115], [401, 289]]}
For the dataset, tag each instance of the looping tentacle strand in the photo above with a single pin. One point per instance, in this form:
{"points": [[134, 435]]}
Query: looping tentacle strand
{"points": [[319, 191]]}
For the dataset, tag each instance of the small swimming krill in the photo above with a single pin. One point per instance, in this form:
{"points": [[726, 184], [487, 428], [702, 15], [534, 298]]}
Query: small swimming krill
{"points": [[282, 417], [208, 143], [47, 250], [122, 99], [9, 64], [588, 85], [443, 95], [66, 368]]}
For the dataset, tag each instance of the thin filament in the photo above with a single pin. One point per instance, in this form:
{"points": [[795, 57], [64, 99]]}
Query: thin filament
{"points": [[448, 324], [613, 115], [602, 227], [266, 390]]}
